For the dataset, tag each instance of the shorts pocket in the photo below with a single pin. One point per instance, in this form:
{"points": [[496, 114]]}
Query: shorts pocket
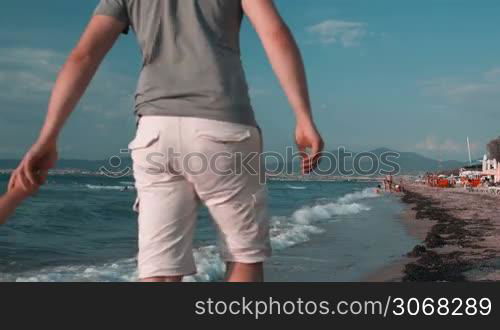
{"points": [[144, 140], [135, 207], [143, 149], [225, 135], [260, 208], [263, 223], [260, 197]]}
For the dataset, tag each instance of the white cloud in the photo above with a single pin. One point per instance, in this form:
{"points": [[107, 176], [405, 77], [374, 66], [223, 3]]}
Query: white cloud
{"points": [[30, 57], [477, 95], [348, 34], [456, 90], [436, 145], [28, 75], [433, 144], [493, 74]]}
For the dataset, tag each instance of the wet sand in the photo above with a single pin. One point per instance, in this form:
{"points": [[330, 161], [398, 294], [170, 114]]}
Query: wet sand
{"points": [[460, 233]]}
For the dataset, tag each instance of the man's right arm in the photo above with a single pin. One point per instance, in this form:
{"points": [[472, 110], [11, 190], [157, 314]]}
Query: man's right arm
{"points": [[288, 65], [73, 79]]}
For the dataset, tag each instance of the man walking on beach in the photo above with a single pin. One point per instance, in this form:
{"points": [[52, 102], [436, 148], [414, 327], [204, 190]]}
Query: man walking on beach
{"points": [[192, 99]]}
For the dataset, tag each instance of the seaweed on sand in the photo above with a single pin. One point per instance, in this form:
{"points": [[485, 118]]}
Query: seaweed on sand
{"points": [[449, 230], [432, 266]]}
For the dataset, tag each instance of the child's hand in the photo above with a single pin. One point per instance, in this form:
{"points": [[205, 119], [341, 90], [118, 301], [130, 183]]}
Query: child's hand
{"points": [[21, 192], [13, 198], [34, 167]]}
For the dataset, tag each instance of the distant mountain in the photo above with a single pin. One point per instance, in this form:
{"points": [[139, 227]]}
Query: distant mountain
{"points": [[409, 163], [412, 162]]}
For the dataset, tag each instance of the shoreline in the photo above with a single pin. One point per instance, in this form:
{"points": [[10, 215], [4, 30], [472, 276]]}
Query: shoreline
{"points": [[394, 272], [460, 235]]}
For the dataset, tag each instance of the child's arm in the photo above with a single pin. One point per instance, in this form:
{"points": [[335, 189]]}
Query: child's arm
{"points": [[10, 201]]}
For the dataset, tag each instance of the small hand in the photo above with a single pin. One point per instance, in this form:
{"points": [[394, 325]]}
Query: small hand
{"points": [[18, 194], [308, 137], [34, 167]]}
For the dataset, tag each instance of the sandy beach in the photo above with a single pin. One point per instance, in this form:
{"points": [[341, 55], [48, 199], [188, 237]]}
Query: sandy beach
{"points": [[460, 234]]}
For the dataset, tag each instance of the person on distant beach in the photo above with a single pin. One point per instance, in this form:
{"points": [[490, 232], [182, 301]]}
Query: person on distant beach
{"points": [[192, 99], [388, 183], [401, 186]]}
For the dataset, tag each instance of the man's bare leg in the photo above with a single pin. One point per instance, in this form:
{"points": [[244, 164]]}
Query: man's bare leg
{"points": [[163, 279], [238, 272]]}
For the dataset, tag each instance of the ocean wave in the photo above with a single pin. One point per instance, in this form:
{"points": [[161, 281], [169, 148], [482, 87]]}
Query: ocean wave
{"points": [[304, 222], [118, 271], [208, 263], [359, 195], [289, 186], [286, 231], [94, 187], [285, 234]]}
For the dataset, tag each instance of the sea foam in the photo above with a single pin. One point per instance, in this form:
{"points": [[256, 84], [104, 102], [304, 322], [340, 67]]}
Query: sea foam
{"points": [[289, 186], [306, 221]]}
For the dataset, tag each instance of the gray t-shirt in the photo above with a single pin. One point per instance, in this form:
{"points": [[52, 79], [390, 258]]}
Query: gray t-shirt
{"points": [[192, 63]]}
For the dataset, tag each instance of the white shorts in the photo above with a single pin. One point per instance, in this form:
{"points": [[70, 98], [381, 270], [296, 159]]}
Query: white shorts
{"points": [[182, 161]]}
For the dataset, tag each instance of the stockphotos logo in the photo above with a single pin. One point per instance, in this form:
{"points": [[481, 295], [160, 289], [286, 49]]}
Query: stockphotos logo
{"points": [[340, 163], [115, 168]]}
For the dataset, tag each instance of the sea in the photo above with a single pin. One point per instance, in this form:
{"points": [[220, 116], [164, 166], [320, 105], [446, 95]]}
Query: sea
{"points": [[83, 229]]}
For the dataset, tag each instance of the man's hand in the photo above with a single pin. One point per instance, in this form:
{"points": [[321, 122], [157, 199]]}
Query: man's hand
{"points": [[286, 60], [34, 167], [308, 137]]}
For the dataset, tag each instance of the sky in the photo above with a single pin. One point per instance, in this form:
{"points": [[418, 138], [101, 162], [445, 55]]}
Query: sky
{"points": [[407, 75]]}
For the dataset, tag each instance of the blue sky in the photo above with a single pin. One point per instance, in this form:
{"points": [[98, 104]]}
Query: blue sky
{"points": [[408, 75]]}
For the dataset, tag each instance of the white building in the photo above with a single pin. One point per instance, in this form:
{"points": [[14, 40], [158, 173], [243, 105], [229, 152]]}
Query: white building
{"points": [[491, 167]]}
